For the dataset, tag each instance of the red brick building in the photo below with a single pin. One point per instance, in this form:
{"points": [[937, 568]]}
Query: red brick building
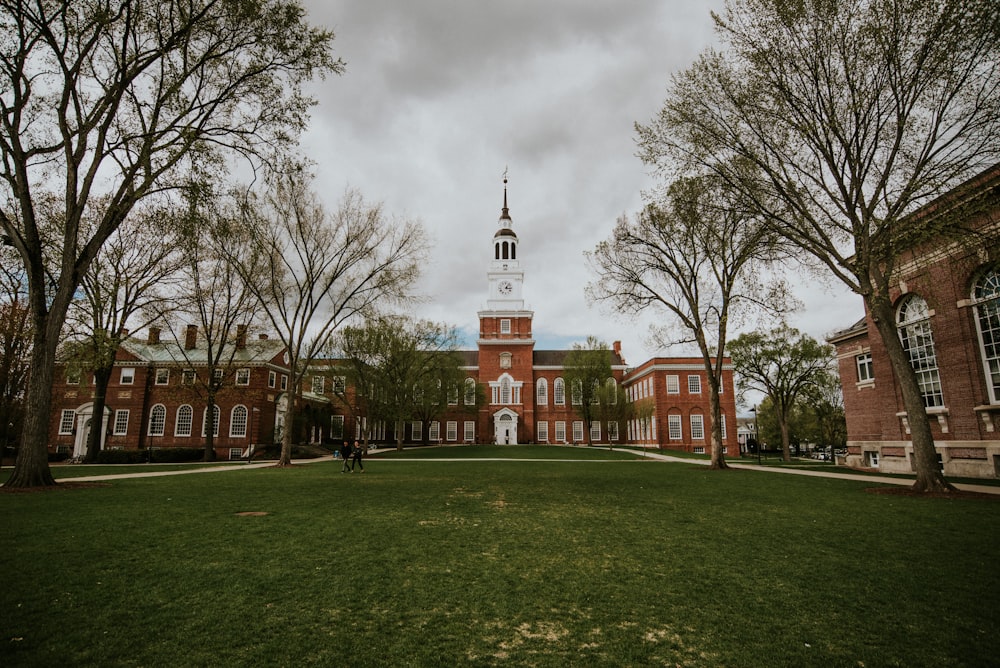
{"points": [[525, 395], [947, 300], [156, 398]]}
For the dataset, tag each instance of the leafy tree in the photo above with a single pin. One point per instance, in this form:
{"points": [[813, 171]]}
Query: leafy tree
{"points": [[587, 368], [313, 271], [782, 363], [103, 101], [131, 279], [696, 258], [400, 370], [853, 114]]}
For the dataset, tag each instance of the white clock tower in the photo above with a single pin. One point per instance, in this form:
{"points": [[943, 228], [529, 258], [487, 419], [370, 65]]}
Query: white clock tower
{"points": [[505, 274]]}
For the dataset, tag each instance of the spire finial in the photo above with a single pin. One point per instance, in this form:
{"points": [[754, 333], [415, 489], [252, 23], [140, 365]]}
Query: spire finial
{"points": [[505, 211]]}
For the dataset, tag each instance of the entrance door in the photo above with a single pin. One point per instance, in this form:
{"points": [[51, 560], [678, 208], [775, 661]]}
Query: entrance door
{"points": [[505, 427]]}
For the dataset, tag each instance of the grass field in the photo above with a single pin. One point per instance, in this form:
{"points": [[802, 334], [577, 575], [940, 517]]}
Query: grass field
{"points": [[608, 561]]}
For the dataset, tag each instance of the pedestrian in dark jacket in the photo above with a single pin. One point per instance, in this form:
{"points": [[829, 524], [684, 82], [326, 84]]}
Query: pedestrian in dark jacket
{"points": [[358, 450], [345, 454]]}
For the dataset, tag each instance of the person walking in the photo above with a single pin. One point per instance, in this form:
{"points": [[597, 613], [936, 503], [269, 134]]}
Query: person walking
{"points": [[357, 457], [345, 454]]}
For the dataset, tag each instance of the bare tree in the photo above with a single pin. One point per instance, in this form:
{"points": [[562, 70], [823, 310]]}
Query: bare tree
{"points": [[854, 114], [15, 339], [315, 270], [697, 259], [106, 99], [217, 306], [132, 276]]}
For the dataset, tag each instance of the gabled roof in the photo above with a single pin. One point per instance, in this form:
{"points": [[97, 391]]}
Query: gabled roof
{"points": [[172, 352]]}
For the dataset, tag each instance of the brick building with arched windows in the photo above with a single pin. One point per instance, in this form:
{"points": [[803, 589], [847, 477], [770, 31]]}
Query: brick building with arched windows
{"points": [[947, 298]]}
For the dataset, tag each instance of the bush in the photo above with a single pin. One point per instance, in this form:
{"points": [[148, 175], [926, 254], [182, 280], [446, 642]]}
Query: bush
{"points": [[159, 455]]}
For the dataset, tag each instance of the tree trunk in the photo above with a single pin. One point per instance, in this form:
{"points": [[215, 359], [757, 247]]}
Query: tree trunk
{"points": [[102, 377], [209, 453], [31, 469], [715, 419], [286, 438], [925, 460], [786, 450]]}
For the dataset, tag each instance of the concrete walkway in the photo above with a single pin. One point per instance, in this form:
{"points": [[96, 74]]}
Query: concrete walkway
{"points": [[875, 479]]}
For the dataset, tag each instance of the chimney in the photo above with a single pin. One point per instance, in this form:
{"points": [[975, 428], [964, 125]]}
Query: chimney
{"points": [[191, 337], [617, 347], [154, 336], [241, 337], [262, 337]]}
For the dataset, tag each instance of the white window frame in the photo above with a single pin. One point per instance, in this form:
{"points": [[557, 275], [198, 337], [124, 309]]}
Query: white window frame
{"points": [[188, 377], [67, 420], [235, 421], [284, 382], [470, 431], [217, 417], [505, 325], [470, 392], [162, 376], [126, 376], [121, 422], [434, 432], [243, 377], [451, 430], [694, 384], [272, 379], [863, 363], [612, 431], [559, 392], [673, 384], [913, 323], [157, 420], [417, 430], [542, 392], [675, 427], [577, 431], [697, 421], [542, 431], [337, 427], [986, 299], [318, 384], [560, 431], [595, 431], [184, 428]]}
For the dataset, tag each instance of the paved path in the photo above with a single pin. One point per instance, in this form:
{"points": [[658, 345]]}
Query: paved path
{"points": [[885, 480]]}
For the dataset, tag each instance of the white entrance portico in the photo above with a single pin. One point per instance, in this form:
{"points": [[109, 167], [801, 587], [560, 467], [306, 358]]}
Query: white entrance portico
{"points": [[505, 427], [84, 420]]}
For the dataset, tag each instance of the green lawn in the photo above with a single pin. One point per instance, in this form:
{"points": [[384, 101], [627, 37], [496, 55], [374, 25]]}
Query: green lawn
{"points": [[483, 563]]}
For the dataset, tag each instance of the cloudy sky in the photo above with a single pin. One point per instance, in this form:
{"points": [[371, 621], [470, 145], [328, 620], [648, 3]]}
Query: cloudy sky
{"points": [[441, 96]]}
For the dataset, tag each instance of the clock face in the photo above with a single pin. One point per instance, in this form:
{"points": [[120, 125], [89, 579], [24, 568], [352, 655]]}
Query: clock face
{"points": [[505, 287]]}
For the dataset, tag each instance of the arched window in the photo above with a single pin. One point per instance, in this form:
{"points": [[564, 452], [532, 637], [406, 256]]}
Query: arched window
{"points": [[542, 392], [612, 386], [238, 422], [559, 392], [914, 324], [185, 417], [986, 295], [513, 251], [470, 392], [505, 391], [506, 248], [157, 420], [215, 422]]}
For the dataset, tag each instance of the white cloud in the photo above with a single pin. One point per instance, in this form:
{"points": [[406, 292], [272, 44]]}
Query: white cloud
{"points": [[441, 95]]}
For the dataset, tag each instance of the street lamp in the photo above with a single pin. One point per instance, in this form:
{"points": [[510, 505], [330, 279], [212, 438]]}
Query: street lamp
{"points": [[756, 435]]}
